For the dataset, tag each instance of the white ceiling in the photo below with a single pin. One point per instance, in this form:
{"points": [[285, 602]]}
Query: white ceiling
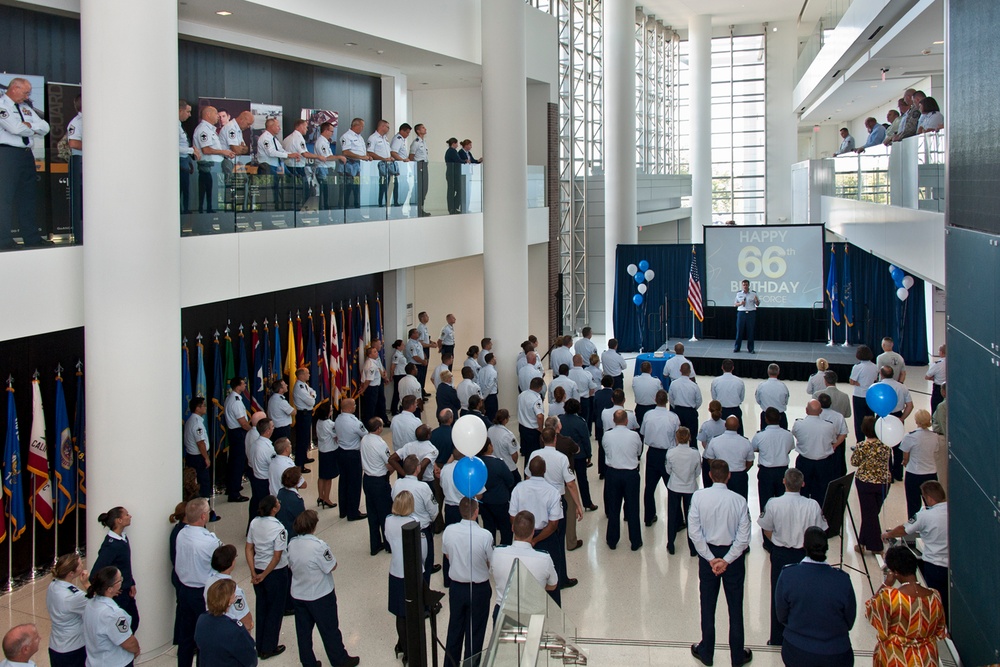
{"points": [[676, 13]]}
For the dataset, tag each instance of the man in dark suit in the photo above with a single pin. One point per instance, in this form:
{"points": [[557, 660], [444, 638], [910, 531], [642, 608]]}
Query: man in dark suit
{"points": [[453, 176], [495, 501]]}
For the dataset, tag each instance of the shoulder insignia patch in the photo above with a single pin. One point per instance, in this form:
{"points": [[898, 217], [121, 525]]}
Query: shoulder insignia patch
{"points": [[327, 555], [4, 113], [122, 624]]}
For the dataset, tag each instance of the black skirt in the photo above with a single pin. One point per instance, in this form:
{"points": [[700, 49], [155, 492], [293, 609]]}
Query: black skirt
{"points": [[397, 597], [328, 467]]}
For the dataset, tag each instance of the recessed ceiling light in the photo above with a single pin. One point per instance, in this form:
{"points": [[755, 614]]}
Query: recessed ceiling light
{"points": [[874, 85], [837, 110], [941, 42], [350, 43], [223, 12]]}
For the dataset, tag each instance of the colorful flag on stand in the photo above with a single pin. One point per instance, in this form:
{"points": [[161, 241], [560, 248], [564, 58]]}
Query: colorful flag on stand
{"points": [[80, 439], [832, 292], [38, 459], [276, 353], [13, 493], [218, 429], [257, 395], [65, 480], [336, 373], [200, 383], [322, 370], [291, 361], [228, 363], [185, 382], [847, 293], [694, 288], [244, 370], [312, 358], [377, 329], [300, 357]]}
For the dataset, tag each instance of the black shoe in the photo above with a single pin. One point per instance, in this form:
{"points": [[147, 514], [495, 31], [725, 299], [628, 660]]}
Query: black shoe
{"points": [[579, 543], [271, 654], [305, 470], [650, 522], [569, 583], [670, 549], [747, 657], [771, 642], [351, 661], [694, 652], [214, 517], [358, 517], [735, 351], [310, 460], [612, 546], [238, 499], [325, 505], [289, 612], [636, 547], [436, 568], [592, 508]]}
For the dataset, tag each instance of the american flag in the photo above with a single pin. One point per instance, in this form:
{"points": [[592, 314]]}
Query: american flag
{"points": [[694, 289]]}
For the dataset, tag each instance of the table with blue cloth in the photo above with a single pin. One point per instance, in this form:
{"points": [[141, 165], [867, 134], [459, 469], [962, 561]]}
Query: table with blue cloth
{"points": [[657, 362]]}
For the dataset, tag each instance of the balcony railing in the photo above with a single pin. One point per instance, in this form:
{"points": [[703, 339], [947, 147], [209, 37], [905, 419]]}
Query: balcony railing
{"points": [[909, 174]]}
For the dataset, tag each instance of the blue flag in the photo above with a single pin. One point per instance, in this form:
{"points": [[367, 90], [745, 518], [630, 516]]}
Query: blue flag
{"points": [[244, 370], [80, 441], [377, 329], [185, 383], [312, 358], [831, 288], [218, 398], [65, 479], [276, 372], [847, 294], [12, 490]]}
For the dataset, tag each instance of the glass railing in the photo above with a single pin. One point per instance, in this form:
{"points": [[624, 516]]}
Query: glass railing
{"points": [[931, 152], [536, 186], [864, 177], [835, 10], [530, 629], [910, 174]]}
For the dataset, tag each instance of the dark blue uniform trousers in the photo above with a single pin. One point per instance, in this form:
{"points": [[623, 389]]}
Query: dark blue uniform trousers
{"points": [[321, 613], [732, 581], [817, 475], [580, 468], [496, 519], [780, 557], [237, 461], [271, 597], [349, 489], [678, 505], [656, 470], [378, 500], [469, 606], [190, 605], [77, 658], [622, 487], [732, 412], [303, 435], [770, 484], [259, 489], [739, 482], [451, 516]]}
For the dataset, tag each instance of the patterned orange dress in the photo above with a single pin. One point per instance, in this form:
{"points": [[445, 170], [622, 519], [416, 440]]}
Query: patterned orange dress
{"points": [[908, 628]]}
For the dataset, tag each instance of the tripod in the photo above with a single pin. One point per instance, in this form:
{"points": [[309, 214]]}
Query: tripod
{"points": [[834, 506]]}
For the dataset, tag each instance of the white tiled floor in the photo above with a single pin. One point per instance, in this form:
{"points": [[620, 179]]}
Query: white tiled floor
{"points": [[645, 596]]}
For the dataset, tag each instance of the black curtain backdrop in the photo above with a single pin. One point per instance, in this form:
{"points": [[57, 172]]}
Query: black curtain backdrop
{"points": [[20, 358], [878, 312]]}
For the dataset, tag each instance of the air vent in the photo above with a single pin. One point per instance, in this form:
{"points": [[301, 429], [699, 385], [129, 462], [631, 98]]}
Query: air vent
{"points": [[877, 31]]}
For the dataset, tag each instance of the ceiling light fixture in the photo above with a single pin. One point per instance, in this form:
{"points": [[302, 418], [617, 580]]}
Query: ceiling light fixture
{"points": [[941, 42], [223, 12], [350, 43]]}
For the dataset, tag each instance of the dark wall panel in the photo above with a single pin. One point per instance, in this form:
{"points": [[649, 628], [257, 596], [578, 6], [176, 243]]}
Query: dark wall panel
{"points": [[973, 138]]}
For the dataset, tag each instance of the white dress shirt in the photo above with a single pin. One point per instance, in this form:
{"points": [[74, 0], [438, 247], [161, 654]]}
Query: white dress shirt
{"points": [[374, 455], [193, 562], [719, 517], [684, 467], [931, 523], [404, 428], [922, 444], [312, 564], [422, 449], [469, 549], [728, 390], [814, 437], [773, 444], [732, 448], [268, 536], [685, 394], [557, 471], [504, 444], [672, 367], [613, 363], [538, 497], [788, 516], [425, 507], [772, 393], [538, 563], [529, 406], [644, 388], [659, 428], [349, 431], [622, 448]]}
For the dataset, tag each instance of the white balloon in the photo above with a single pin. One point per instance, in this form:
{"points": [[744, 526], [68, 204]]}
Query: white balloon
{"points": [[632, 269], [902, 293], [649, 274], [892, 267], [908, 282], [469, 434], [642, 288], [889, 430]]}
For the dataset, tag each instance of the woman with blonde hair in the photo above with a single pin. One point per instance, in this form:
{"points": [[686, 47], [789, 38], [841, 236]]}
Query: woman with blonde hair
{"points": [[919, 449], [65, 600], [818, 379], [222, 640]]}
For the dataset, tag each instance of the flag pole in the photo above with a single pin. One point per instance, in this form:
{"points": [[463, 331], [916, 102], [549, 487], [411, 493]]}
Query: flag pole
{"points": [[76, 476], [34, 497], [55, 501], [693, 338], [10, 524]]}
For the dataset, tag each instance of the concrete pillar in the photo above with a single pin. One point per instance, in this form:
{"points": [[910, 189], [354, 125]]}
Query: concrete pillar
{"points": [[619, 121], [132, 296], [505, 212], [700, 40]]}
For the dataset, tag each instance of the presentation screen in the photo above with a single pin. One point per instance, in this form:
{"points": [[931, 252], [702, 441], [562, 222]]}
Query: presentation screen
{"points": [[784, 264]]}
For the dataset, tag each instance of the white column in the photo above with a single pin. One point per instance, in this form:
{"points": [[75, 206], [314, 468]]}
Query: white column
{"points": [[619, 156], [700, 36], [131, 293], [505, 190]]}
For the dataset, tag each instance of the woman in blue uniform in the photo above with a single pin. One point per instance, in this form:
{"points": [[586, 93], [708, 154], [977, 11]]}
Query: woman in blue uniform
{"points": [[267, 541], [116, 552], [312, 565], [66, 601], [222, 640], [291, 502], [107, 628]]}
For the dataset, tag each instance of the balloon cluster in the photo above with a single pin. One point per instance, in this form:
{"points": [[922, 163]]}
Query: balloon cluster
{"points": [[641, 274], [903, 282], [469, 435], [881, 398]]}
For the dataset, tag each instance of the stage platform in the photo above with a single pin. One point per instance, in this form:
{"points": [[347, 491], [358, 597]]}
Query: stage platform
{"points": [[797, 360]]}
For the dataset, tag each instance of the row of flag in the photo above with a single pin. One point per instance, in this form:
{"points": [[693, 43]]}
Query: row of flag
{"points": [[330, 343], [839, 293], [53, 494]]}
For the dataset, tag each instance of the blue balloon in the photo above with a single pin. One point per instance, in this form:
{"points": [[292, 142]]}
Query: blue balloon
{"points": [[637, 299], [470, 476], [881, 398], [639, 278], [643, 266], [897, 277]]}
